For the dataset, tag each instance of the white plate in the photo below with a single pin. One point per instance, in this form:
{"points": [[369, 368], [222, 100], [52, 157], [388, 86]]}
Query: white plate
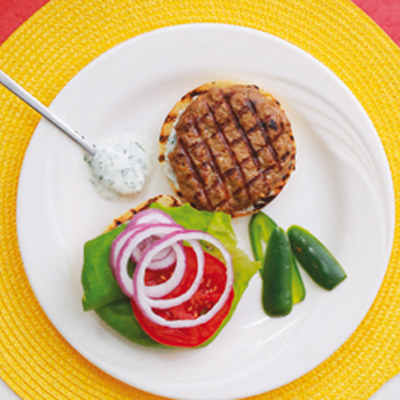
{"points": [[341, 191]]}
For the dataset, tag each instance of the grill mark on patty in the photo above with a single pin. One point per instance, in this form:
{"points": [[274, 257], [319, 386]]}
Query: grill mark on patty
{"points": [[211, 159], [193, 169], [273, 125], [285, 156], [247, 142], [219, 131], [264, 129], [239, 127]]}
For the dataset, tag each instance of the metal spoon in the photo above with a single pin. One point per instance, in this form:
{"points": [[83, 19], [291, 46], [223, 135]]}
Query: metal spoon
{"points": [[120, 165], [25, 96]]}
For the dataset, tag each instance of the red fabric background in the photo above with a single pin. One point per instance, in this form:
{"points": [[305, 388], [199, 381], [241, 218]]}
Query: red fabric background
{"points": [[385, 13], [14, 12]]}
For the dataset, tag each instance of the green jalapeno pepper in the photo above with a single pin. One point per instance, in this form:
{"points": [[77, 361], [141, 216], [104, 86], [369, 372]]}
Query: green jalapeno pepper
{"points": [[315, 258], [260, 229], [298, 288], [277, 298]]}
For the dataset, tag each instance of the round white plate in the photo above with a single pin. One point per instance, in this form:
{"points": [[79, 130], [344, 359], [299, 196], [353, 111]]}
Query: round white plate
{"points": [[341, 191]]}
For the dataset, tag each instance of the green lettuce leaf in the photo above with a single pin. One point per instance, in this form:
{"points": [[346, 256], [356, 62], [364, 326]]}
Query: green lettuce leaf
{"points": [[119, 316], [99, 284], [103, 294]]}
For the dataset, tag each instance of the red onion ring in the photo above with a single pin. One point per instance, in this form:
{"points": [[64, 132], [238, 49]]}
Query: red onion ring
{"points": [[176, 301], [164, 259], [151, 215], [146, 217], [155, 216], [161, 290], [121, 252], [139, 288]]}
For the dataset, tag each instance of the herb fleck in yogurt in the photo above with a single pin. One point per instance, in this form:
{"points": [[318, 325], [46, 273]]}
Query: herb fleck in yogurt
{"points": [[121, 165]]}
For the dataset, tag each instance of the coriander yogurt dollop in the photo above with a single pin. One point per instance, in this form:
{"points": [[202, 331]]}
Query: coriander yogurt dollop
{"points": [[121, 165]]}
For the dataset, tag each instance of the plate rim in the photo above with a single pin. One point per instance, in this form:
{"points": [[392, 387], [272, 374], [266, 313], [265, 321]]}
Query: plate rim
{"points": [[219, 25]]}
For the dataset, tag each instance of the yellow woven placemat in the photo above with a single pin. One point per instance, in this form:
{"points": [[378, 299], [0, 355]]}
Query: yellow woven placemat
{"points": [[62, 38]]}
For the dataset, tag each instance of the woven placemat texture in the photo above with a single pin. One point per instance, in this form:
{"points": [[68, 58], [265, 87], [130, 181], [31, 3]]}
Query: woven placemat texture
{"points": [[66, 35]]}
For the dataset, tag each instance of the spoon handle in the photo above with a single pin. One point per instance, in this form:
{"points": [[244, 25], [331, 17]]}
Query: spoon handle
{"points": [[25, 96]]}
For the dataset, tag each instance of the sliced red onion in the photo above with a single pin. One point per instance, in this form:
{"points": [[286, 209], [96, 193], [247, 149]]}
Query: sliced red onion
{"points": [[151, 215], [118, 243], [165, 258], [176, 301], [175, 279], [154, 240], [122, 251], [154, 216], [146, 217], [139, 288]]}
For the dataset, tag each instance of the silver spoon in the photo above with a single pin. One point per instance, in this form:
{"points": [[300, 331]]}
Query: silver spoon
{"points": [[121, 165], [25, 96]]}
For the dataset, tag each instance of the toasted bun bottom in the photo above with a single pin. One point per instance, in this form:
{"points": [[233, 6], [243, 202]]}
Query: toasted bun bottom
{"points": [[166, 200]]}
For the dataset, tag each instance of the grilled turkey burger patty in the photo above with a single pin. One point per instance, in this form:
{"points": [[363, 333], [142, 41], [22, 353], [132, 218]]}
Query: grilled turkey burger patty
{"points": [[227, 147]]}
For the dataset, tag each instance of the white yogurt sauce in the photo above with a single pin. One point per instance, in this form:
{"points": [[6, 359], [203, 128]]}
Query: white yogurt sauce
{"points": [[121, 165], [169, 173]]}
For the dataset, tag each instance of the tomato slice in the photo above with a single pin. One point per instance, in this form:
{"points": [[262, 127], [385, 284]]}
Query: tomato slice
{"points": [[207, 295]]}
